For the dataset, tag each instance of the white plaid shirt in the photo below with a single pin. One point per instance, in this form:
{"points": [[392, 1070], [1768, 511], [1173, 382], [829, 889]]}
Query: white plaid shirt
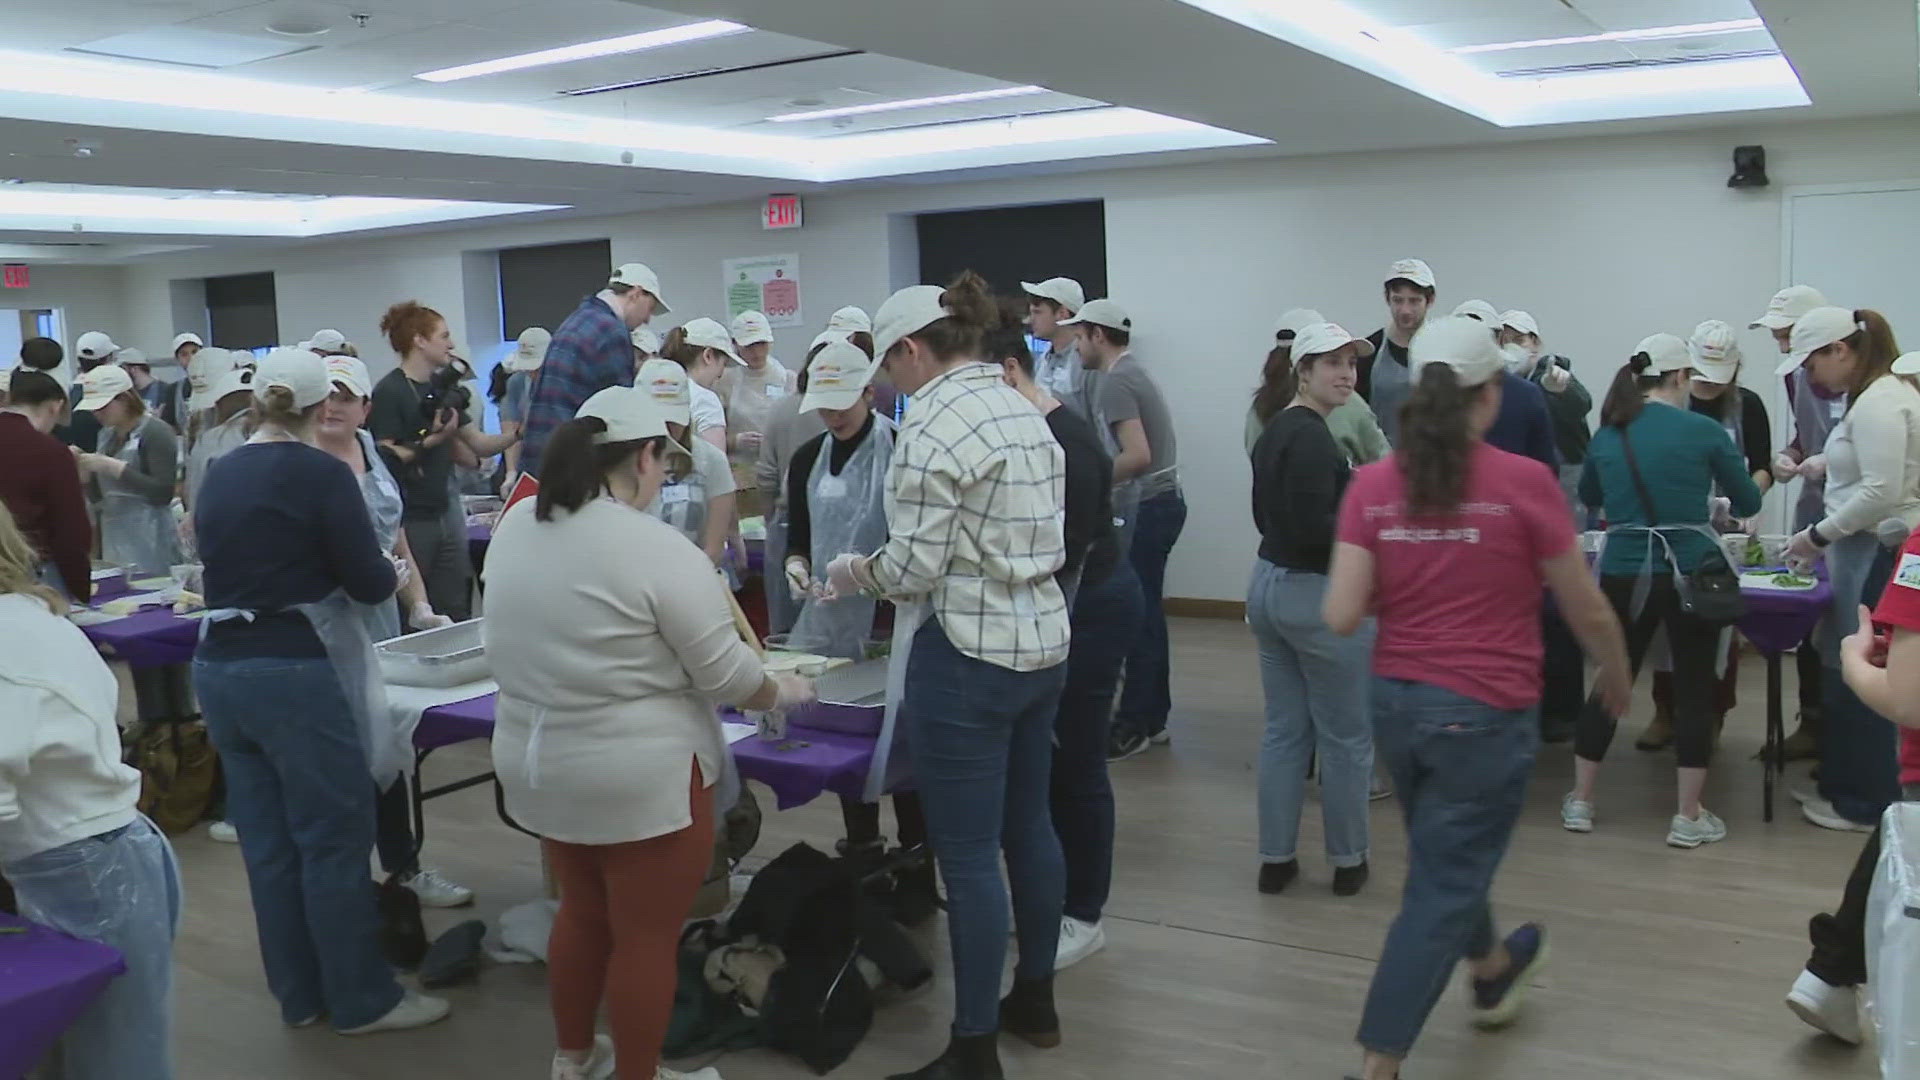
{"points": [[974, 511]]}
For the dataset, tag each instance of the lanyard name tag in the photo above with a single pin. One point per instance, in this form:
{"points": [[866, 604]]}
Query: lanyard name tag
{"points": [[831, 487], [776, 391], [675, 493]]}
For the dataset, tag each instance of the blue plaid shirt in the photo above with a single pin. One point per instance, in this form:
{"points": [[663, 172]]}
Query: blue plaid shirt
{"points": [[591, 351]]}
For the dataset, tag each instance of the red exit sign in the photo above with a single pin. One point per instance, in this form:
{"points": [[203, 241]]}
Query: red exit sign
{"points": [[17, 276], [781, 212]]}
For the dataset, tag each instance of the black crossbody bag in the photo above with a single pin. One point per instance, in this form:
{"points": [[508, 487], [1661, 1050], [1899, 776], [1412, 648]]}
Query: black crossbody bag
{"points": [[1712, 592]]}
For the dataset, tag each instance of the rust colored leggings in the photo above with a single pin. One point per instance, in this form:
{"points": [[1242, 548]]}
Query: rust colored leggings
{"points": [[617, 934]]}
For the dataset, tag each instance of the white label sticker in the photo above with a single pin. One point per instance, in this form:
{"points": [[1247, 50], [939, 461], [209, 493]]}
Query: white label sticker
{"points": [[1837, 408], [776, 391], [676, 493], [1908, 572]]}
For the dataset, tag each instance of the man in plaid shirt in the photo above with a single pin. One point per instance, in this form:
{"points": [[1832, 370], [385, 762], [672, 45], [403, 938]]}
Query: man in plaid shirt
{"points": [[591, 351]]}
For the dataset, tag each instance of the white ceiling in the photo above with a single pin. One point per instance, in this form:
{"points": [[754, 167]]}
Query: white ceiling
{"points": [[336, 115]]}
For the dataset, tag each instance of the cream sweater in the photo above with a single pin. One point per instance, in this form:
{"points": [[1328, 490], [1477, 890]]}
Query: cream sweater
{"points": [[1873, 461], [612, 642], [61, 778]]}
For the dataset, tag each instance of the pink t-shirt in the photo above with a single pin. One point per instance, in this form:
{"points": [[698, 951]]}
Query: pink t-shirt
{"points": [[1459, 599]]}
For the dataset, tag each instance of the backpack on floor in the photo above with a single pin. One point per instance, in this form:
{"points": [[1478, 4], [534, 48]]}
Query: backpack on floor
{"points": [[179, 773]]}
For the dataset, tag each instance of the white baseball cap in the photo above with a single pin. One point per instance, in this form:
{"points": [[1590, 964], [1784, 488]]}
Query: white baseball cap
{"points": [[1462, 344], [94, 345], [530, 349], [1716, 352], [640, 276], [1519, 322], [837, 376], [645, 340], [203, 372], [666, 383], [1102, 313], [751, 328], [325, 342], [851, 320], [349, 373], [1061, 290], [908, 311], [1907, 364], [827, 335], [1814, 331], [629, 413], [1665, 353], [1787, 306], [300, 371], [708, 334], [233, 382], [1293, 321], [132, 356], [1479, 309], [1413, 270], [186, 339], [1325, 337], [101, 385]]}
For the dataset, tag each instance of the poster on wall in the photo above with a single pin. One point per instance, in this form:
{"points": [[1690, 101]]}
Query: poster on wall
{"points": [[767, 283]]}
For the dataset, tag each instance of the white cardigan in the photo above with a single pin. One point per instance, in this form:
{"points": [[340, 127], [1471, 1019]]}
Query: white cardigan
{"points": [[61, 778], [1873, 461], [611, 640]]}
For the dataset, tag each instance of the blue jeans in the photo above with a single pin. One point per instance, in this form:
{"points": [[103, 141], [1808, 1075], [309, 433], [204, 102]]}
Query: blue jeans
{"points": [[1147, 697], [1460, 768], [1105, 618], [981, 737], [300, 795], [1859, 748], [120, 888], [1316, 686]]}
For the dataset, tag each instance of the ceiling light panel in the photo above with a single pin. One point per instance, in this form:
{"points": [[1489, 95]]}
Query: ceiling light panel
{"points": [[589, 50], [191, 47], [908, 103], [122, 210], [1649, 33]]}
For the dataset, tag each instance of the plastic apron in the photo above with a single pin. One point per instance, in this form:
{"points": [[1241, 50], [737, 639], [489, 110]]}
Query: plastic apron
{"points": [[1814, 419], [1659, 656], [1848, 561], [891, 766], [748, 408], [1392, 385], [384, 505], [134, 532], [682, 503], [848, 512], [338, 623]]}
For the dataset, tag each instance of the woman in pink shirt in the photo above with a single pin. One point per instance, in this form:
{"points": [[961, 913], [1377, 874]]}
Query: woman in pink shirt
{"points": [[1448, 542]]}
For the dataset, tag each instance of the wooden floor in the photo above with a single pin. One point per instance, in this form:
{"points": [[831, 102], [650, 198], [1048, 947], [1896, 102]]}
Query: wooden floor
{"points": [[1666, 964]]}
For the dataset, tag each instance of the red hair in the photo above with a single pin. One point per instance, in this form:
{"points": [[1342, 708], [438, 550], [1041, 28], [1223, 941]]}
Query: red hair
{"points": [[406, 321]]}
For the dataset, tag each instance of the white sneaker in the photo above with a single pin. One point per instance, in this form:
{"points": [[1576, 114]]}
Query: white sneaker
{"points": [[663, 1073], [1078, 940], [598, 1066], [436, 891], [1821, 812], [416, 1010], [224, 832], [1804, 791], [1575, 815], [1692, 832], [1833, 1009]]}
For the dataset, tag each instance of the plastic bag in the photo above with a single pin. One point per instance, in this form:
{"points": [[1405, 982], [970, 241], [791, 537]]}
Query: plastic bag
{"points": [[1893, 943]]}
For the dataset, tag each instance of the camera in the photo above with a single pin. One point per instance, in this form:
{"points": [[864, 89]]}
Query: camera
{"points": [[444, 391]]}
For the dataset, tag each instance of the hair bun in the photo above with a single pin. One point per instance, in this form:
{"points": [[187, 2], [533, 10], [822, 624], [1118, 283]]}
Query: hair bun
{"points": [[1639, 362]]}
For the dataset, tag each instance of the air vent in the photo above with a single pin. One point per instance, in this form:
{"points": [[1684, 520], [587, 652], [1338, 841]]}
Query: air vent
{"points": [[189, 47], [1627, 65]]}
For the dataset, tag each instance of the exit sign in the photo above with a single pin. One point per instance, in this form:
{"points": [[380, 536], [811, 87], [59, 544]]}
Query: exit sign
{"points": [[17, 276], [781, 212]]}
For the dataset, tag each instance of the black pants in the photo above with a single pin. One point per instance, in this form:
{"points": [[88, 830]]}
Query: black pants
{"points": [[862, 820], [440, 558], [1806, 660], [1564, 672], [393, 829], [1694, 645], [1840, 940]]}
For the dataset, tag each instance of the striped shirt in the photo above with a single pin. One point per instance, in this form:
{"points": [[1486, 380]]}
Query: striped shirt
{"points": [[974, 507], [591, 351]]}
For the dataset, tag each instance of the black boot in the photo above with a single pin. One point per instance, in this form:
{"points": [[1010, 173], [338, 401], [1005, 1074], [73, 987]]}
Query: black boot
{"points": [[967, 1057], [916, 893], [1027, 1012]]}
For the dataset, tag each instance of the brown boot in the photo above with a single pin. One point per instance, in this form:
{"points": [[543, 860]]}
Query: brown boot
{"points": [[1659, 733]]}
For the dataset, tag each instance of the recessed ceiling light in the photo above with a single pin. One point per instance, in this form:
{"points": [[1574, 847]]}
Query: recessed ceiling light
{"points": [[298, 24], [1651, 33], [588, 50], [909, 103]]}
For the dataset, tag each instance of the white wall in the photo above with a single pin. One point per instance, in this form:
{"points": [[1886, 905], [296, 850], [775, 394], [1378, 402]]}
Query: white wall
{"points": [[92, 298], [1603, 240]]}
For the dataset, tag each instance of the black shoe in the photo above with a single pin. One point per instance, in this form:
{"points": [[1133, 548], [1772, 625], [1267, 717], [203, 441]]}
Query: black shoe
{"points": [[1347, 880], [1027, 1012], [1276, 876], [967, 1057], [916, 893], [1125, 744]]}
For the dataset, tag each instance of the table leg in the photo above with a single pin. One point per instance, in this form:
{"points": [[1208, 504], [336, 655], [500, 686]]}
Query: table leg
{"points": [[1775, 747]]}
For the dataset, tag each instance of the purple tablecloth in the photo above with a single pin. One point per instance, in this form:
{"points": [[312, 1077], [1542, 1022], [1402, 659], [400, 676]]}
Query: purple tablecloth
{"points": [[150, 637], [479, 537], [1777, 620], [806, 765], [47, 980]]}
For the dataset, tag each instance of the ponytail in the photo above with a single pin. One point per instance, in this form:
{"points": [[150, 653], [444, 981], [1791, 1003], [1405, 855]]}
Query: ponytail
{"points": [[958, 335], [1627, 394], [1436, 442], [1874, 344], [1277, 382], [573, 468]]}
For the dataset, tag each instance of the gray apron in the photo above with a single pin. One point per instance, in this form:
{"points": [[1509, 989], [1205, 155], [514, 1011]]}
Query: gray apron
{"points": [[134, 532], [848, 513], [1814, 419], [891, 766], [384, 507], [1392, 384]]}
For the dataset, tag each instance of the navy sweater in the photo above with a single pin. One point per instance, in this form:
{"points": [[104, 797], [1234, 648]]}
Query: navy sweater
{"points": [[281, 524]]}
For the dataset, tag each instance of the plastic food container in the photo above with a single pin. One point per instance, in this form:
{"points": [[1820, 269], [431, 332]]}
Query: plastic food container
{"points": [[853, 700], [450, 656]]}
